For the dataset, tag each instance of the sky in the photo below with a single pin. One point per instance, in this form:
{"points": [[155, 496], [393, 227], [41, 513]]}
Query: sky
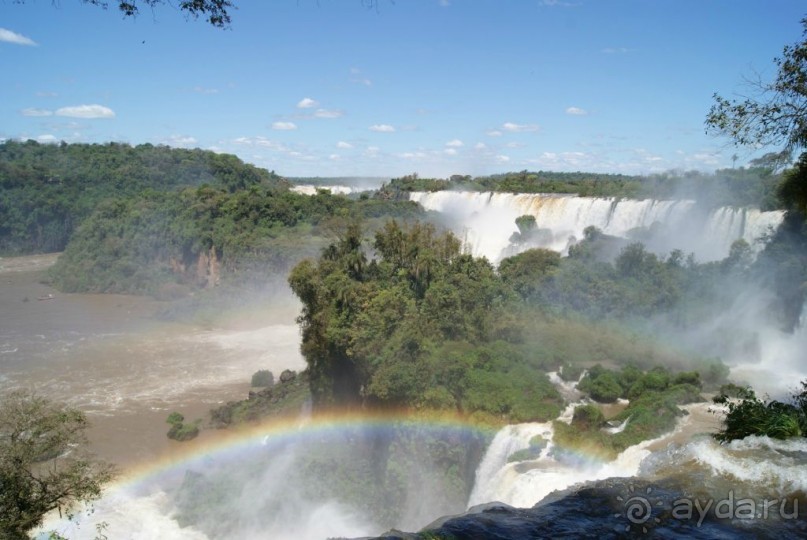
{"points": [[434, 87]]}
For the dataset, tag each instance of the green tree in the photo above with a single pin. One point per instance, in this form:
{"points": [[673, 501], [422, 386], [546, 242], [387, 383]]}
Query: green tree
{"points": [[44, 465], [778, 114]]}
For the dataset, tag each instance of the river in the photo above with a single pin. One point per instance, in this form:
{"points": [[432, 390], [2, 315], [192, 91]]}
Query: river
{"points": [[112, 357]]}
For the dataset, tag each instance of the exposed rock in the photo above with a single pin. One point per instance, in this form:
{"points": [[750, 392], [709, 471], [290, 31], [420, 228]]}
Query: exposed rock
{"points": [[601, 510]]}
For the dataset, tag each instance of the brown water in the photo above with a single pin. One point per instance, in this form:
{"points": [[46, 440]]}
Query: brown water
{"points": [[111, 357]]}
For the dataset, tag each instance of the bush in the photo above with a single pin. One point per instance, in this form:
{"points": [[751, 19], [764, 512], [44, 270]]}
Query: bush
{"points": [[263, 378], [587, 417]]}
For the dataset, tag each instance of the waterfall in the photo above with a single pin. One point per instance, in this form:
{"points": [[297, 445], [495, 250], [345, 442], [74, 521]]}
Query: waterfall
{"points": [[524, 482], [486, 222]]}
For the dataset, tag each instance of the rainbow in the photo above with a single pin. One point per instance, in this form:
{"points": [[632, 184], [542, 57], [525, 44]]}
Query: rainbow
{"points": [[236, 444], [216, 451]]}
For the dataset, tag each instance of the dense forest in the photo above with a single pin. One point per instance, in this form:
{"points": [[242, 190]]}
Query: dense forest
{"points": [[47, 190], [755, 185]]}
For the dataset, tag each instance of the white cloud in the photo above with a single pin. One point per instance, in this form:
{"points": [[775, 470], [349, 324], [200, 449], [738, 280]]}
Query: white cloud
{"points": [[180, 140], [307, 103], [263, 142], [480, 146], [13, 37], [86, 111], [576, 111], [382, 128], [344, 145], [455, 143], [494, 133], [414, 155], [450, 151], [372, 150], [502, 158], [47, 139], [333, 157], [325, 113], [519, 128], [515, 145], [284, 126], [33, 111], [203, 90]]}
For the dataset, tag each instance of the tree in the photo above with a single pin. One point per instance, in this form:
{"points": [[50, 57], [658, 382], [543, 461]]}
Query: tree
{"points": [[778, 114], [43, 462], [215, 12]]}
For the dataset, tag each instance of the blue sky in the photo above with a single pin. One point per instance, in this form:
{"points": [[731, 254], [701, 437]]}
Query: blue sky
{"points": [[437, 87]]}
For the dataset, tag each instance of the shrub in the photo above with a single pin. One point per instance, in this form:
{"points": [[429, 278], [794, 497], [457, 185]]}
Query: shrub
{"points": [[263, 378]]}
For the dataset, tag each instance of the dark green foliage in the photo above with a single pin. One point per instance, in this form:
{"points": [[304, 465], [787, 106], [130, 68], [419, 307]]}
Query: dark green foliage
{"points": [[44, 465], [47, 190], [529, 271], [167, 244], [751, 415], [180, 431], [587, 417], [421, 326], [175, 418], [262, 377]]}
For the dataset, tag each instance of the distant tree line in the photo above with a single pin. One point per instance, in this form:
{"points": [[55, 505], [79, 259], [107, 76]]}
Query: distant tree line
{"points": [[47, 190], [758, 185]]}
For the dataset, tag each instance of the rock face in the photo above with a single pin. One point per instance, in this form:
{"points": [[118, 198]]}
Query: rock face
{"points": [[608, 509], [208, 271]]}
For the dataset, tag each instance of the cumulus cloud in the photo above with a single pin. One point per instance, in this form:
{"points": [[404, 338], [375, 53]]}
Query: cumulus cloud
{"points": [[344, 145], [480, 146], [512, 127], [455, 143], [576, 111], [450, 151], [333, 157], [325, 113], [494, 133], [307, 103], [86, 111], [8, 36], [382, 128], [47, 139], [284, 126], [33, 111], [502, 158]]}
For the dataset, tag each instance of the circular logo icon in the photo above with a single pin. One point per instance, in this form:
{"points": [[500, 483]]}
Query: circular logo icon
{"points": [[638, 509]]}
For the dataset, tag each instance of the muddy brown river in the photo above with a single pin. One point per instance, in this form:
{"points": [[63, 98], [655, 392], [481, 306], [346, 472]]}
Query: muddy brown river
{"points": [[110, 356]]}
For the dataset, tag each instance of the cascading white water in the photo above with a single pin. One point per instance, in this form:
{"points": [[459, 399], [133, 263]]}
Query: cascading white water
{"points": [[487, 220], [524, 483]]}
